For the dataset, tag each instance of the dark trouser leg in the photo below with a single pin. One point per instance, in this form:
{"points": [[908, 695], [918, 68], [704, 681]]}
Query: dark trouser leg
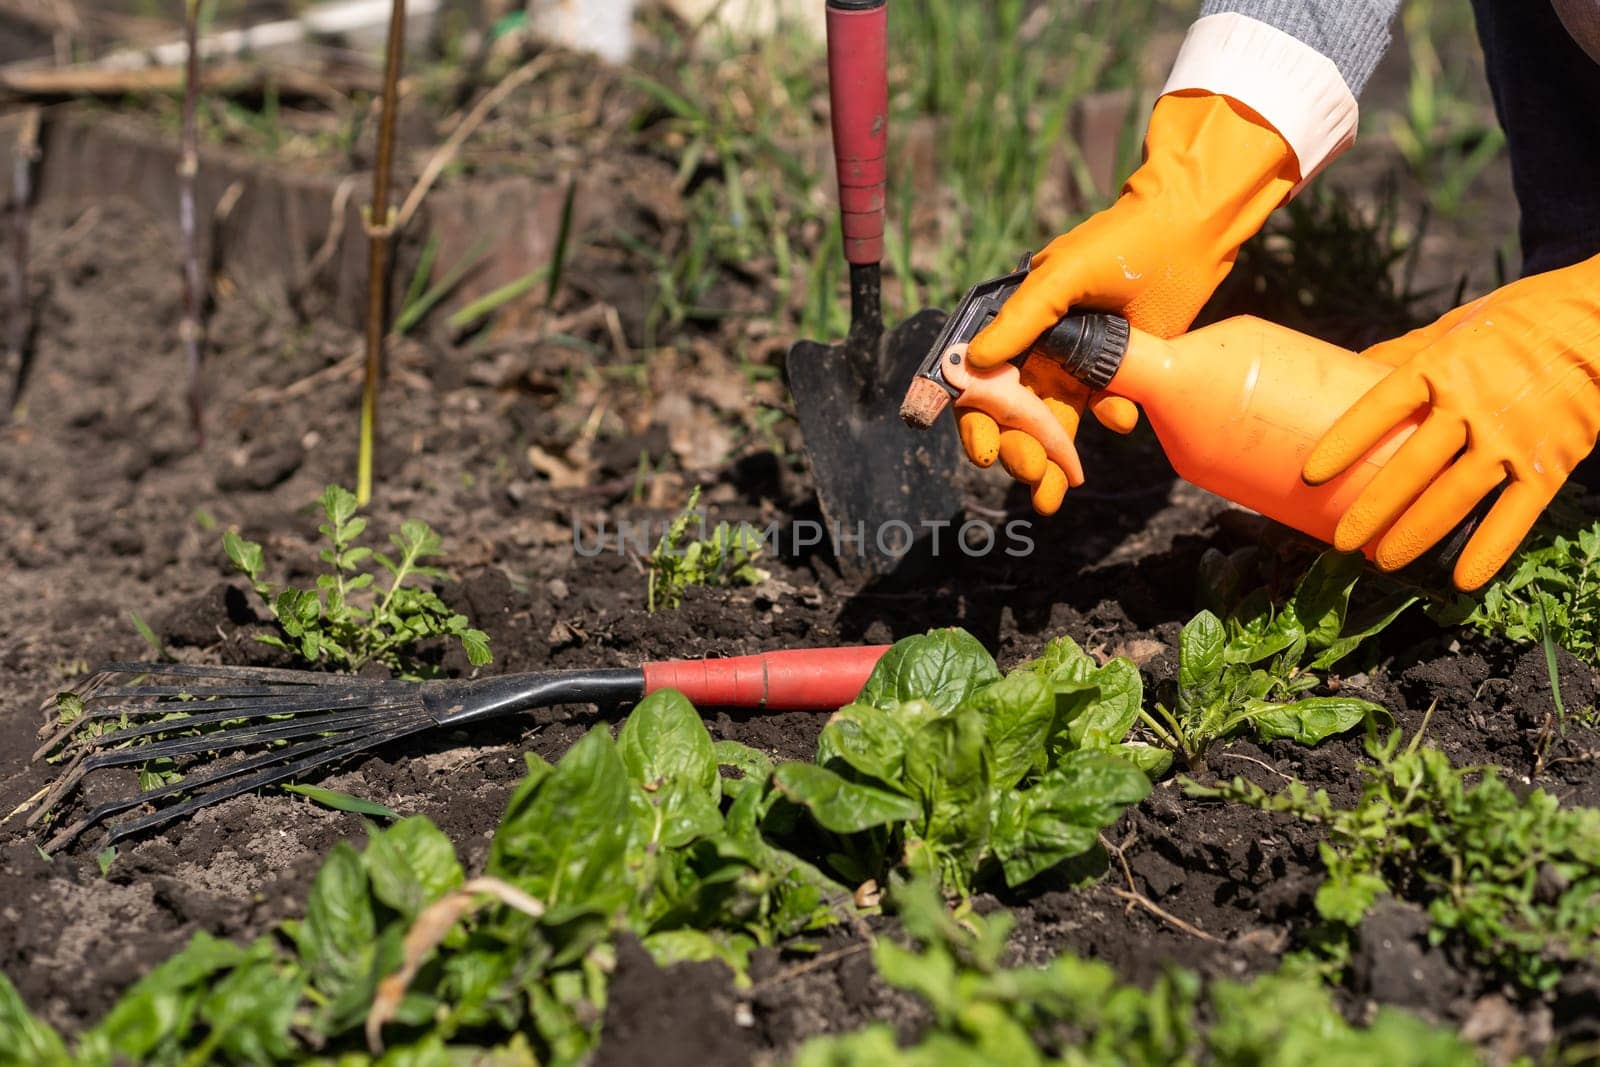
{"points": [[1547, 95]]}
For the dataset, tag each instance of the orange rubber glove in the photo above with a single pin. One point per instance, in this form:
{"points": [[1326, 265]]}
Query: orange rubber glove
{"points": [[1509, 388], [1213, 171]]}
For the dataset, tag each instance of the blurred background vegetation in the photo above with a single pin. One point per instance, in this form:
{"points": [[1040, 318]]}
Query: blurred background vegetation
{"points": [[1012, 120]]}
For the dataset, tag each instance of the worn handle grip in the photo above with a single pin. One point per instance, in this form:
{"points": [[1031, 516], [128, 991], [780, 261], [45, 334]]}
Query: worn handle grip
{"points": [[858, 96], [799, 679]]}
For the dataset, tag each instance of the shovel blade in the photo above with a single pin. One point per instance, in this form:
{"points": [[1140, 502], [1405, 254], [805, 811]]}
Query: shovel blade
{"points": [[882, 485]]}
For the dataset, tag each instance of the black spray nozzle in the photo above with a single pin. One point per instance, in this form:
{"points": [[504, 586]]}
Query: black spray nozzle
{"points": [[1088, 345]]}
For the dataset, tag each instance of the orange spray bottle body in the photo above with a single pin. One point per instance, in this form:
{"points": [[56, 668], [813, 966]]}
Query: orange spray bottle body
{"points": [[1238, 406]]}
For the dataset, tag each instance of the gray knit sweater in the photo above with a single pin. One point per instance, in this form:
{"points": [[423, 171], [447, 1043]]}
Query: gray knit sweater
{"points": [[1352, 33]]}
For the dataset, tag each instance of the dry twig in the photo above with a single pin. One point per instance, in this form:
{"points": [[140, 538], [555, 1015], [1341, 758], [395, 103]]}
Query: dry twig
{"points": [[807, 966], [220, 215], [1263, 764], [1136, 898], [330, 241], [430, 928], [464, 129]]}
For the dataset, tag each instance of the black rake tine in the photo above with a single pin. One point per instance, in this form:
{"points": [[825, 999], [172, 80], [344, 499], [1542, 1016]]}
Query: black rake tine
{"points": [[83, 690], [83, 764], [268, 704], [181, 695], [105, 673], [224, 740], [231, 714], [205, 711], [278, 675], [318, 753], [112, 807], [270, 777]]}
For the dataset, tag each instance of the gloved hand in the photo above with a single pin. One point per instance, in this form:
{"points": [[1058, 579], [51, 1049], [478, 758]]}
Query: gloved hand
{"points": [[1213, 172], [1509, 390]]}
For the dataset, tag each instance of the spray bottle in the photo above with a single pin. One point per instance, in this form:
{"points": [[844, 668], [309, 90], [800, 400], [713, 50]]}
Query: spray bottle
{"points": [[1237, 406]]}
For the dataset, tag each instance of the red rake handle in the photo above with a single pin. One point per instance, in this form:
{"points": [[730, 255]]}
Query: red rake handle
{"points": [[796, 680], [858, 96]]}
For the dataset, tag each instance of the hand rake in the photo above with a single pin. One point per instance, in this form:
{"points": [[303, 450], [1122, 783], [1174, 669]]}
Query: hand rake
{"points": [[225, 731]]}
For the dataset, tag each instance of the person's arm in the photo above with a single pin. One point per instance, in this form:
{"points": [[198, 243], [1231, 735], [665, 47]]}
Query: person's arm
{"points": [[1261, 97], [1299, 64]]}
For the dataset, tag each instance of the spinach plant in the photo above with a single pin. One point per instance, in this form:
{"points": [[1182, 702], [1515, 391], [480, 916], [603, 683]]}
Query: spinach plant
{"points": [[1247, 671], [944, 767], [1074, 1011], [1317, 626], [638, 834], [350, 619], [1514, 877]]}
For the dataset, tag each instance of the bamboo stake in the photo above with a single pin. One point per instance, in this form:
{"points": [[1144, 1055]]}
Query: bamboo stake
{"points": [[25, 154], [380, 225], [191, 330]]}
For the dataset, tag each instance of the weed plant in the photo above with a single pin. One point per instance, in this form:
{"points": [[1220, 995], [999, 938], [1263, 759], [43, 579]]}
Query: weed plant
{"points": [[1550, 588], [724, 557], [350, 619], [1513, 876], [1073, 1011], [1446, 134]]}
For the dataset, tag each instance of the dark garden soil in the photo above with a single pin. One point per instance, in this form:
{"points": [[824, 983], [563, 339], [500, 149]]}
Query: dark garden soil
{"points": [[107, 510]]}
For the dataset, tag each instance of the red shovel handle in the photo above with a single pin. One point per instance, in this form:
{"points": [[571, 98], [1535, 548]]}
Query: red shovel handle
{"points": [[858, 96], [800, 679]]}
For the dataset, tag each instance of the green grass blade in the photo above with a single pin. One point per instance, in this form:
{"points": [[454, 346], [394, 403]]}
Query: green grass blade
{"points": [[417, 310], [558, 259], [491, 302], [333, 798]]}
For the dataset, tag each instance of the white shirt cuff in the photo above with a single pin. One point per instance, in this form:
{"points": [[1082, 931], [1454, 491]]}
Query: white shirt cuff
{"points": [[1281, 78]]}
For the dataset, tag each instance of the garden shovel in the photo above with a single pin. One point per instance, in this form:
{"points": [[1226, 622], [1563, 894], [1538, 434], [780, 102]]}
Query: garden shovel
{"points": [[881, 485]]}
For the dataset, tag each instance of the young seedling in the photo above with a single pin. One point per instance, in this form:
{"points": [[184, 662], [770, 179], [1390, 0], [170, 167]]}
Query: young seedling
{"points": [[1445, 140], [725, 558], [344, 621]]}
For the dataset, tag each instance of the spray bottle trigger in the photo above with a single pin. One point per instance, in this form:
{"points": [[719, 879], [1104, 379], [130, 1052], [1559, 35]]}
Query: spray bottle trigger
{"points": [[999, 393]]}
